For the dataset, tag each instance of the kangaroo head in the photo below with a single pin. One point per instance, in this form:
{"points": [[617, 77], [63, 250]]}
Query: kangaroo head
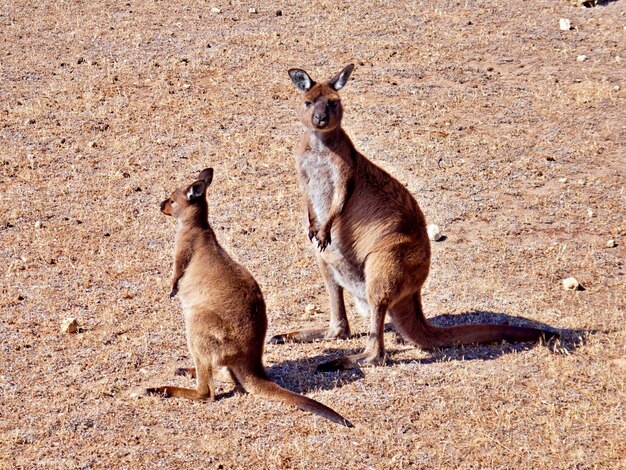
{"points": [[189, 198], [321, 107]]}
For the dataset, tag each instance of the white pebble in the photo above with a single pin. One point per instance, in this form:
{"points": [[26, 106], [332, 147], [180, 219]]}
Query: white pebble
{"points": [[565, 24], [310, 308], [434, 232], [38, 224], [571, 283], [562, 180], [252, 10], [581, 58], [69, 325], [215, 10], [611, 243]]}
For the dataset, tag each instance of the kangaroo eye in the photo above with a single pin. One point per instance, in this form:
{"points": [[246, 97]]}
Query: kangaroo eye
{"points": [[307, 104], [171, 201]]}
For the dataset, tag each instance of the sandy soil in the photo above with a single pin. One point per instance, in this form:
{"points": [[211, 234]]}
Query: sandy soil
{"points": [[484, 109]]}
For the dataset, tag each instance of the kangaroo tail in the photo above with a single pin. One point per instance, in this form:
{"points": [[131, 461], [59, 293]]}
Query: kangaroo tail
{"points": [[415, 327], [258, 383]]}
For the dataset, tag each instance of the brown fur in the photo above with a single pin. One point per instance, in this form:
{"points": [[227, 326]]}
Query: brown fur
{"points": [[224, 308], [371, 236]]}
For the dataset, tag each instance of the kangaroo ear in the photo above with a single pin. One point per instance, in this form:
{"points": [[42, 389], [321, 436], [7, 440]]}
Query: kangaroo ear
{"points": [[206, 175], [301, 79], [340, 80], [196, 190]]}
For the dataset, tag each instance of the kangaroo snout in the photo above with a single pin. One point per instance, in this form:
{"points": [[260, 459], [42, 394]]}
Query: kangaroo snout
{"points": [[320, 120]]}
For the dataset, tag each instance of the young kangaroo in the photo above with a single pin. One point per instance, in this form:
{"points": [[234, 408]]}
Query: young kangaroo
{"points": [[224, 309], [371, 236]]}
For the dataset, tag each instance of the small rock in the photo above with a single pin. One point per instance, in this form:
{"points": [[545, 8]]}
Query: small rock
{"points": [[434, 232], [616, 87], [279, 13], [215, 10], [571, 283], [310, 309], [252, 10], [38, 224], [136, 393], [565, 24], [590, 212], [92, 144], [581, 58], [69, 325], [562, 180], [611, 243]]}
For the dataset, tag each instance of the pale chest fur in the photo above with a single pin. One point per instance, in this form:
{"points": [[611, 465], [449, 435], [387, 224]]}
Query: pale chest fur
{"points": [[318, 177]]}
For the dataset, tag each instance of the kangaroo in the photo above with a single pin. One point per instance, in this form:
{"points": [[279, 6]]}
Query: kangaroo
{"points": [[223, 306], [371, 237]]}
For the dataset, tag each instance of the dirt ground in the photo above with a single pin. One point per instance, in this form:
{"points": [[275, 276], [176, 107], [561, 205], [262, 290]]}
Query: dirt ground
{"points": [[509, 139]]}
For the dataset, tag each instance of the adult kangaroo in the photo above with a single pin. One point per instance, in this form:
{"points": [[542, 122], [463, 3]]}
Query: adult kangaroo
{"points": [[371, 237]]}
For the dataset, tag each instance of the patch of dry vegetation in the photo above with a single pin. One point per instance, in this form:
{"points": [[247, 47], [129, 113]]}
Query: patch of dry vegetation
{"points": [[506, 140]]}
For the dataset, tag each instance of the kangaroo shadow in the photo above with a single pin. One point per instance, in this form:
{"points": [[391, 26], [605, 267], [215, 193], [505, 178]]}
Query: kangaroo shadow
{"points": [[568, 340], [299, 375]]}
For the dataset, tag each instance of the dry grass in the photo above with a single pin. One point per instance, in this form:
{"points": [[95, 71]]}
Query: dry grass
{"points": [[480, 107]]}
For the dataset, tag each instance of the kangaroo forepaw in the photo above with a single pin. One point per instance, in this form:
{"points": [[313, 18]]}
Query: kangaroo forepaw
{"points": [[323, 239]]}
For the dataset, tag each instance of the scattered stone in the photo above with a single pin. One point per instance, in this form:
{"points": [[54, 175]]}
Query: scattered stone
{"points": [[616, 87], [621, 362], [279, 13], [571, 283], [215, 10], [92, 144], [252, 10], [38, 224], [69, 325], [590, 212], [611, 243], [310, 309], [562, 180], [434, 232], [565, 24], [581, 58], [137, 393]]}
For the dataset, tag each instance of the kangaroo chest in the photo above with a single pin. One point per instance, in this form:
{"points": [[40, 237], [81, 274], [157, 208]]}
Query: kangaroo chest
{"points": [[317, 180]]}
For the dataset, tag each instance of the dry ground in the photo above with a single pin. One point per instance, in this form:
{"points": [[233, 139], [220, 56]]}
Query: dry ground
{"points": [[510, 143]]}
